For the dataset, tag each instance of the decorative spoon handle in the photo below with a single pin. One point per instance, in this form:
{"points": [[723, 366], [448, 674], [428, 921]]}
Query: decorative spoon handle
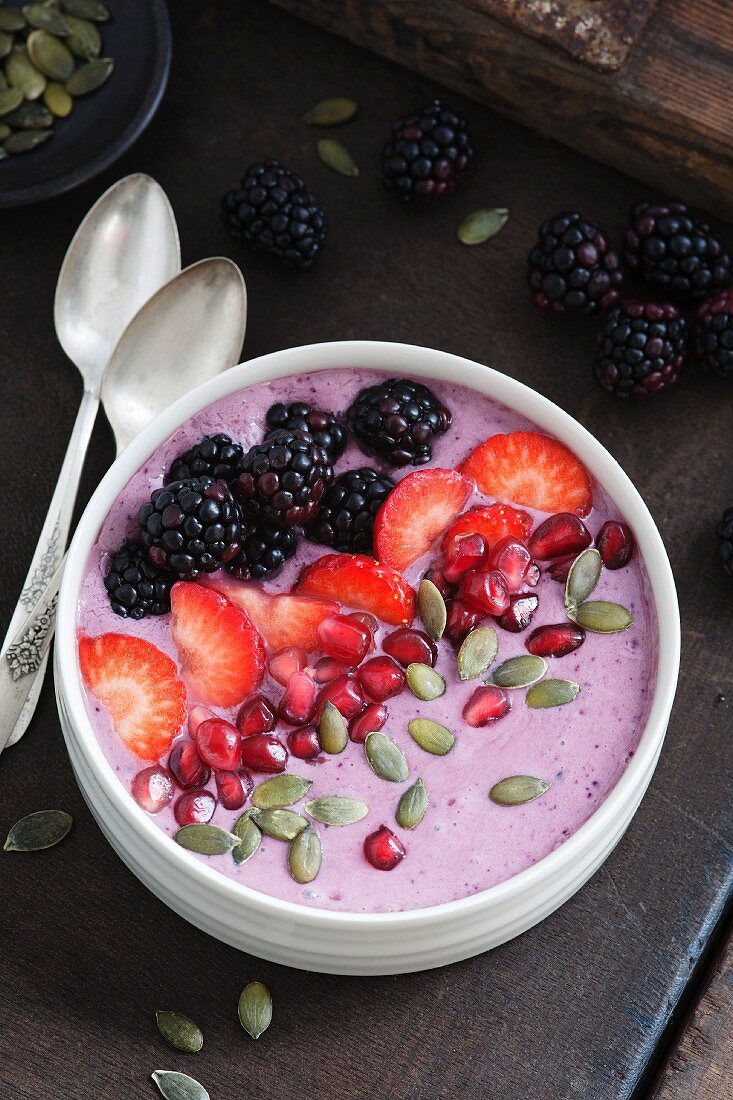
{"points": [[49, 552]]}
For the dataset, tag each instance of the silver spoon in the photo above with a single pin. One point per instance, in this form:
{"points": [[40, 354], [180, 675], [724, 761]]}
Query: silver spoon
{"points": [[191, 330], [124, 250]]}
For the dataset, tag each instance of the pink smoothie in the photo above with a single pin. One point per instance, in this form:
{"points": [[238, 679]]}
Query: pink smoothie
{"points": [[465, 843]]}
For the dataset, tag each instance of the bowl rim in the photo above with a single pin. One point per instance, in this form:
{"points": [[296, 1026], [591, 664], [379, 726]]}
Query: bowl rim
{"points": [[422, 362]]}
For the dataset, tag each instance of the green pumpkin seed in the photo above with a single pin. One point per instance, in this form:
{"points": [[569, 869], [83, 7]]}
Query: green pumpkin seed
{"points": [[337, 157], [281, 790], [84, 39], [23, 75], [178, 1030], [249, 835], [22, 141], [3, 154], [424, 682], [385, 758], [432, 610], [38, 831], [520, 672], [46, 18], [10, 99], [583, 577], [305, 855], [89, 77], [515, 790], [551, 693], [57, 99], [279, 824], [331, 112], [86, 9], [6, 43], [5, 131], [178, 1086], [11, 21], [412, 806], [31, 115], [431, 736], [207, 840], [50, 56], [3, 81], [601, 617], [478, 651], [334, 809], [333, 732], [482, 225], [255, 1009]]}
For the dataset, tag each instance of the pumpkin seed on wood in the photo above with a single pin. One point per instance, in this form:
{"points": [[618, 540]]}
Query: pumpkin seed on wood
{"points": [[281, 790], [31, 115], [424, 682], [89, 77], [255, 1009], [11, 21], [478, 651], [601, 617], [50, 56], [22, 73], [207, 840], [551, 693], [10, 100], [178, 1086], [46, 18], [337, 157], [86, 9], [333, 732], [519, 672], [249, 835], [412, 806], [334, 809], [431, 609], [583, 576], [386, 759], [279, 824], [515, 790], [57, 99], [305, 855], [22, 141], [6, 43], [84, 39], [38, 831], [431, 736], [178, 1030], [331, 112], [482, 225]]}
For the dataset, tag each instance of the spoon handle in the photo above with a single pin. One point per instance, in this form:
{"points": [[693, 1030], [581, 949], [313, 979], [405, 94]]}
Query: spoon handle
{"points": [[50, 549]]}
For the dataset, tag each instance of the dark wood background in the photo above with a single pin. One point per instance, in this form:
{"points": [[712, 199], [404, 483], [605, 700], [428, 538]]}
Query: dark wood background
{"points": [[582, 1006]]}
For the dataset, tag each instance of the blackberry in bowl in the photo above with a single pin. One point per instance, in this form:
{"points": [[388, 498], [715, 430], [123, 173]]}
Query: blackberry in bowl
{"points": [[397, 421], [280, 481]]}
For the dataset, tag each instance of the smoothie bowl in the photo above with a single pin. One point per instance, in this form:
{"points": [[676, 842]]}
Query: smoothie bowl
{"points": [[365, 656]]}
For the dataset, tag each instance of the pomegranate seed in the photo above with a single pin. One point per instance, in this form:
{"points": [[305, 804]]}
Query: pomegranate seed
{"points": [[560, 567], [381, 678], [371, 622], [152, 788], [186, 765], [219, 744], [285, 662], [558, 536], [435, 574], [488, 591], [383, 849], [196, 716], [195, 808], [344, 638], [512, 558], [304, 743], [462, 554], [461, 620], [327, 669], [408, 646], [555, 641], [532, 576], [257, 715], [519, 614], [615, 542], [299, 699], [487, 704], [264, 753], [346, 695], [371, 719], [233, 788]]}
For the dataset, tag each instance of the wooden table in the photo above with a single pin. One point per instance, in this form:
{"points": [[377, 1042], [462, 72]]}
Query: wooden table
{"points": [[580, 1007]]}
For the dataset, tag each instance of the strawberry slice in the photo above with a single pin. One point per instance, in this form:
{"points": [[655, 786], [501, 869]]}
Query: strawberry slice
{"points": [[416, 512], [492, 522], [359, 581], [533, 470], [139, 686], [283, 621], [222, 655]]}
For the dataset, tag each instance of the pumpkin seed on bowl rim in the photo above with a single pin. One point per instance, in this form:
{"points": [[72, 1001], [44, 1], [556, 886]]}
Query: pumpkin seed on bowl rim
{"points": [[516, 790], [431, 609], [280, 791], [89, 77], [424, 682], [519, 672], [583, 576], [386, 759], [255, 1009], [412, 806], [332, 112], [481, 225], [38, 831], [551, 693], [431, 736], [478, 651], [173, 1085], [279, 824], [601, 616], [336, 809], [305, 856], [180, 1031]]}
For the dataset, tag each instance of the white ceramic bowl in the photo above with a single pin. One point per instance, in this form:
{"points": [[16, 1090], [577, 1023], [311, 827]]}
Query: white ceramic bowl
{"points": [[350, 943]]}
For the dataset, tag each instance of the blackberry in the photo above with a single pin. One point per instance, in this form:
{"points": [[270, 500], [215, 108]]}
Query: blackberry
{"points": [[325, 428], [280, 481], [672, 248], [135, 586], [191, 527], [213, 456], [264, 551], [640, 349], [348, 507], [725, 534], [572, 268], [397, 420], [714, 334], [427, 153], [272, 212]]}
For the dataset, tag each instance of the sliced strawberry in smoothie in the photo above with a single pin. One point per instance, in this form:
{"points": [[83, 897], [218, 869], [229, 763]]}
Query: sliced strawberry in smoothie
{"points": [[492, 522], [416, 513], [281, 620], [359, 581]]}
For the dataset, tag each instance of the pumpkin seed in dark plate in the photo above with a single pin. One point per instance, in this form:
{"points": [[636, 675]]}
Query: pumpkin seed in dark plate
{"points": [[89, 77]]}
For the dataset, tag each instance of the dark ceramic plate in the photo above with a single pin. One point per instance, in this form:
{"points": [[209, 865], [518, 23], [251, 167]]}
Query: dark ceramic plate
{"points": [[102, 125]]}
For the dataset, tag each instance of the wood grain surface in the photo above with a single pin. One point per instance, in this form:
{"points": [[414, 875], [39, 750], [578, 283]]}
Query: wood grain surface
{"points": [[573, 1010]]}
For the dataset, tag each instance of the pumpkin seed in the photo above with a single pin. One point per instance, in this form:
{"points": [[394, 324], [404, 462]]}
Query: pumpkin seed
{"points": [[331, 112], [424, 682], [583, 577], [601, 617], [89, 77], [3, 81], [481, 225], [86, 9], [478, 651], [279, 824], [31, 115], [38, 831], [178, 1086], [305, 855], [281, 790], [431, 736], [334, 809], [337, 157], [412, 806], [5, 131], [551, 693], [22, 73], [57, 99], [6, 43], [11, 21], [520, 672], [46, 18], [255, 1009], [3, 154], [50, 56], [178, 1030], [333, 732], [22, 141], [249, 835], [10, 99], [385, 758], [515, 790], [84, 39], [207, 840], [432, 610]]}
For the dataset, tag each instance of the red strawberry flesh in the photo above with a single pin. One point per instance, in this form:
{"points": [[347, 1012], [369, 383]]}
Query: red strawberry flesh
{"points": [[283, 620], [493, 522], [360, 582], [285, 662], [417, 512]]}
